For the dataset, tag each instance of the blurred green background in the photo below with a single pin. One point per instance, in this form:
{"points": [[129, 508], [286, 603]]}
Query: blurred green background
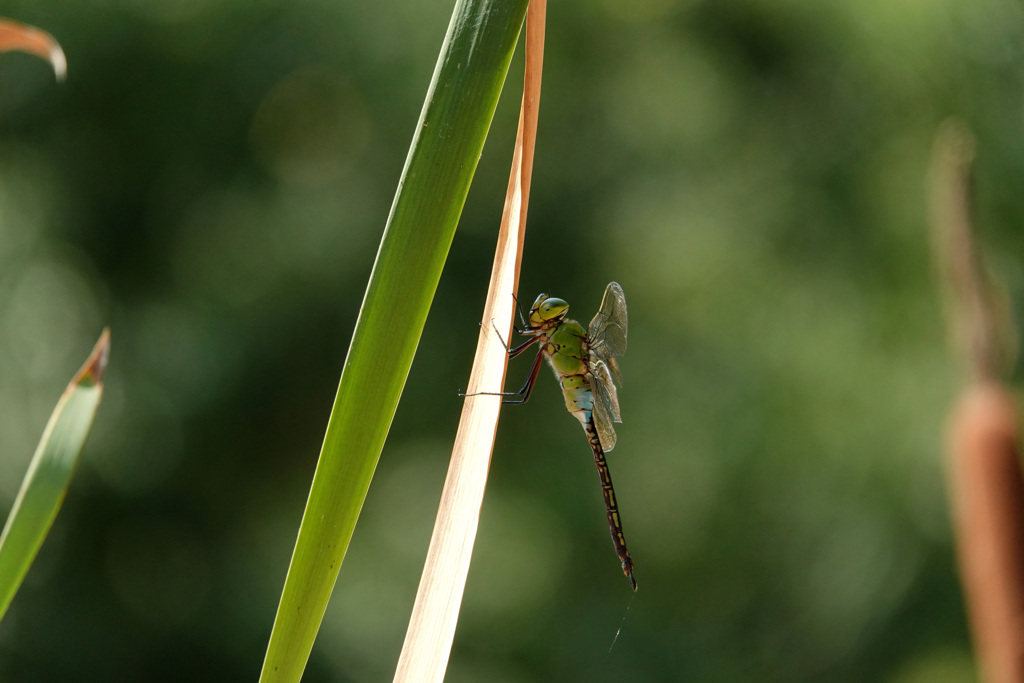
{"points": [[212, 182]]}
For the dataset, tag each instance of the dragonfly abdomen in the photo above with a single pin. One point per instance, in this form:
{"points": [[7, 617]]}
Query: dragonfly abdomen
{"points": [[610, 504], [578, 396]]}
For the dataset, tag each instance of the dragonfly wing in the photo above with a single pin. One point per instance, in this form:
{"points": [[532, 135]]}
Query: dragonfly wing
{"points": [[606, 404], [607, 332], [605, 394], [614, 365], [606, 339]]}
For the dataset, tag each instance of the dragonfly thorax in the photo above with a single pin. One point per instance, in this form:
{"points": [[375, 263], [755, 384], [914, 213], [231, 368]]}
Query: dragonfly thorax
{"points": [[547, 309]]}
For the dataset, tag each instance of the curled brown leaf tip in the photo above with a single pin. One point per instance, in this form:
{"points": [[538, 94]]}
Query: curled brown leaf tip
{"points": [[24, 38], [96, 364]]}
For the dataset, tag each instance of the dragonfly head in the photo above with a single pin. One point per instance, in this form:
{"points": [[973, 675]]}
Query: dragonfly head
{"points": [[547, 309]]}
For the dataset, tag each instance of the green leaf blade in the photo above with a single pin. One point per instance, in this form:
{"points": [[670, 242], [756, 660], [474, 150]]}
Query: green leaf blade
{"points": [[50, 472]]}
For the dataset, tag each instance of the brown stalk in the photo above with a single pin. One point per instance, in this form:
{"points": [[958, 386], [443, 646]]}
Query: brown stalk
{"points": [[431, 631], [986, 483]]}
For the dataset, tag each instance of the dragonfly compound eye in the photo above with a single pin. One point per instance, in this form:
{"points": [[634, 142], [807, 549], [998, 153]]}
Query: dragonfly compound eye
{"points": [[552, 308]]}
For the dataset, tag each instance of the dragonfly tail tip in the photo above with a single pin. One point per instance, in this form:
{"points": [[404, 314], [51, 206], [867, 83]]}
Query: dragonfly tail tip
{"points": [[627, 568]]}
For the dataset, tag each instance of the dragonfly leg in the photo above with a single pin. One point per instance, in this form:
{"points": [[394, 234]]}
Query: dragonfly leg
{"points": [[519, 310], [497, 333], [523, 395], [512, 353]]}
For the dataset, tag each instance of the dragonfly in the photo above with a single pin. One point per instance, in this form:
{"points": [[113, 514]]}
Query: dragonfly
{"points": [[584, 365]]}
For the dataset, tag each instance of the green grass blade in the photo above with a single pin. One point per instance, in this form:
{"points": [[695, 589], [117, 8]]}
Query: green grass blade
{"points": [[447, 144], [50, 472]]}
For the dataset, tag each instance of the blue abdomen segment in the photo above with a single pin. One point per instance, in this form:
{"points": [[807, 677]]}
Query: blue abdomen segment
{"points": [[579, 399]]}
